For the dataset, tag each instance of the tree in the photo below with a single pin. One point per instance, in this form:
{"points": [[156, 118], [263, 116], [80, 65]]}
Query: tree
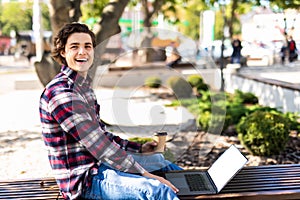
{"points": [[65, 11], [59, 15], [106, 27], [24, 20], [189, 20], [286, 4]]}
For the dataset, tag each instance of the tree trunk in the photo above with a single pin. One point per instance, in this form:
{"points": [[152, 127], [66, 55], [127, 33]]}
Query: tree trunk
{"points": [[61, 13], [234, 6], [46, 69], [107, 27], [149, 12]]}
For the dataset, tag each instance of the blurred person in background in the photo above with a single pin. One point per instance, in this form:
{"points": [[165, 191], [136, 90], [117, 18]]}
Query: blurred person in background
{"points": [[172, 55], [236, 54], [283, 52], [292, 49]]}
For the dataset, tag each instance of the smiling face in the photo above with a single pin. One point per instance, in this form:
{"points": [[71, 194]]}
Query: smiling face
{"points": [[79, 52]]}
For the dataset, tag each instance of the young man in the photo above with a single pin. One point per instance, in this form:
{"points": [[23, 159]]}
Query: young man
{"points": [[87, 161]]}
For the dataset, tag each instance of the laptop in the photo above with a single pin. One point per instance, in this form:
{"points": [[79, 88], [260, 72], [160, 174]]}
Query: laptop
{"points": [[214, 179]]}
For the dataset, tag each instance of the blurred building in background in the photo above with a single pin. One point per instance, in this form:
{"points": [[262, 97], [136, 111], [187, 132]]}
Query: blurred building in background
{"points": [[263, 25]]}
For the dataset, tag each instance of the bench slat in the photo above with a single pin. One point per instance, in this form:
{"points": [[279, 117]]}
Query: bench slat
{"points": [[261, 182], [269, 182], [29, 189]]}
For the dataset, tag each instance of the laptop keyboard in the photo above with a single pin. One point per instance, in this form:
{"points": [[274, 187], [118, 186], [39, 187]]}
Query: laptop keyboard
{"points": [[196, 182]]}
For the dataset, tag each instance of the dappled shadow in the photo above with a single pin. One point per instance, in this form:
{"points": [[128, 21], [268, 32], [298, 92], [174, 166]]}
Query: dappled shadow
{"points": [[10, 141]]}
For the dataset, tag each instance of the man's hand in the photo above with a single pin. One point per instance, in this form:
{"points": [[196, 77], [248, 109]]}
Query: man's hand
{"points": [[162, 180], [148, 147]]}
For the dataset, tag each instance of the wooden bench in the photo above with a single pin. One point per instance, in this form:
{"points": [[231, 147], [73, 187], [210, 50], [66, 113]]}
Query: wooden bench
{"points": [[30, 189], [271, 182]]}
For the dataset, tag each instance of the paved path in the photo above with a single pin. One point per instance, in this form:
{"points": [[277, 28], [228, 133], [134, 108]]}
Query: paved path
{"points": [[127, 109]]}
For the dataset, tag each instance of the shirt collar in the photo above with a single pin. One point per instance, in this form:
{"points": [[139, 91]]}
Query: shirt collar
{"points": [[75, 77]]}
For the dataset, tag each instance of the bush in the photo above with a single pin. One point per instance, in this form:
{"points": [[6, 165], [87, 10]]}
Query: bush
{"points": [[245, 97], [180, 87], [293, 117], [234, 112], [211, 114], [196, 81], [153, 82], [264, 133]]}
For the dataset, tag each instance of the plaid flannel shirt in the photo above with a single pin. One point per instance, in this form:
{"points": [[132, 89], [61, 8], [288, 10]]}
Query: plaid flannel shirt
{"points": [[76, 140]]}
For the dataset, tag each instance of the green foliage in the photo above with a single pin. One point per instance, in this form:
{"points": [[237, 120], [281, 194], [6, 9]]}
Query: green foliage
{"points": [[204, 120], [264, 133], [140, 140], [174, 103], [219, 26], [244, 97], [202, 87], [222, 112], [212, 111], [285, 4], [234, 112], [180, 87], [294, 119], [23, 21], [263, 130], [196, 81], [91, 12], [190, 20], [192, 104], [45, 17], [153, 82], [257, 107]]}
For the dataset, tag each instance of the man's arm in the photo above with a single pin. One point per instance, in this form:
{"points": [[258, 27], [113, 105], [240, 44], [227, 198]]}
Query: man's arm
{"points": [[125, 144], [79, 120]]}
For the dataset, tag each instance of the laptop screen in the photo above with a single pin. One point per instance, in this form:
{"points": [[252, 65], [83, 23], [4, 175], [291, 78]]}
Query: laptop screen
{"points": [[226, 166]]}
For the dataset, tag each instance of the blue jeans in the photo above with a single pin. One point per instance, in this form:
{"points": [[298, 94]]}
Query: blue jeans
{"points": [[111, 184], [155, 162]]}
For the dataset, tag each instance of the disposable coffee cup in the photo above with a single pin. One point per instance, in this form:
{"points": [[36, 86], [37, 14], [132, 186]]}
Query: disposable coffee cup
{"points": [[160, 139]]}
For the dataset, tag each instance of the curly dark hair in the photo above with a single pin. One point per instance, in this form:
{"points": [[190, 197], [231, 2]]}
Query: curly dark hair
{"points": [[62, 36]]}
